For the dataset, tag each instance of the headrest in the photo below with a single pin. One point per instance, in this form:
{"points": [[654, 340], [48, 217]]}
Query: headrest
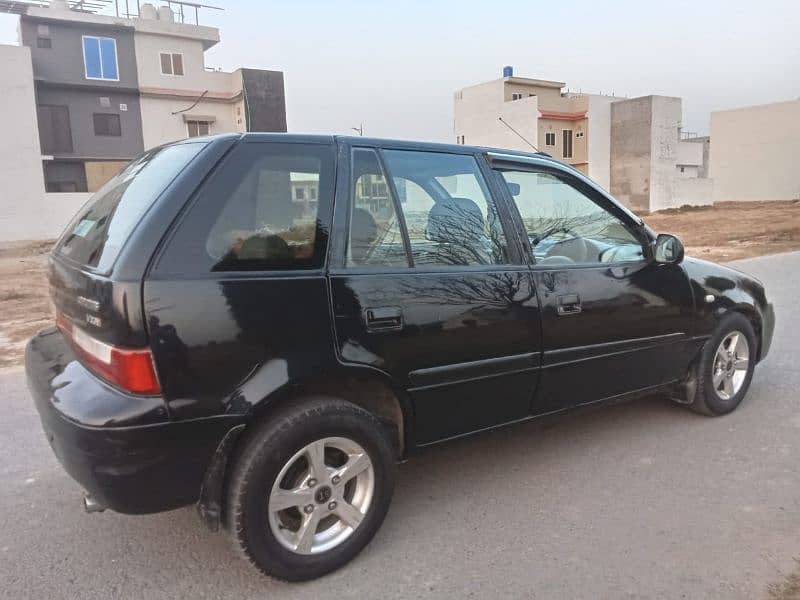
{"points": [[265, 247], [455, 220]]}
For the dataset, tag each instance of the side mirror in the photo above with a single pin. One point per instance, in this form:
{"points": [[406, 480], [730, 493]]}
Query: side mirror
{"points": [[668, 249]]}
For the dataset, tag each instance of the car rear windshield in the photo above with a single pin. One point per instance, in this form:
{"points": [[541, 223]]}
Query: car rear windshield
{"points": [[99, 230]]}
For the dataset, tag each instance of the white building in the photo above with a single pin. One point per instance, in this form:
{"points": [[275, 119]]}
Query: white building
{"points": [[631, 147], [755, 151]]}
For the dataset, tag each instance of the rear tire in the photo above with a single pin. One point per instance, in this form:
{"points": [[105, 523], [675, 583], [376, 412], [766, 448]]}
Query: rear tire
{"points": [[299, 460], [725, 367]]}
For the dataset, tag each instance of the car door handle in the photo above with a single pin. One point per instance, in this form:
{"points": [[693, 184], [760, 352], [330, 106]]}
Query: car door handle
{"points": [[569, 304], [384, 318]]}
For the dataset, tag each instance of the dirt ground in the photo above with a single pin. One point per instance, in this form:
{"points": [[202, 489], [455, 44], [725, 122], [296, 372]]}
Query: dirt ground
{"points": [[24, 301], [727, 231], [789, 588], [732, 230]]}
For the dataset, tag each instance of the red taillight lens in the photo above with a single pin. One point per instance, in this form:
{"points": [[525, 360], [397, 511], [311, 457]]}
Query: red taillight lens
{"points": [[131, 370]]}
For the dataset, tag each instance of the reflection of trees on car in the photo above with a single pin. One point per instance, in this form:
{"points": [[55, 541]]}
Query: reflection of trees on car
{"points": [[499, 290], [453, 232]]}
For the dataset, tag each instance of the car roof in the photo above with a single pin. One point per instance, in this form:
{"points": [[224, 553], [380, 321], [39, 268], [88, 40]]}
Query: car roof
{"points": [[372, 141]]}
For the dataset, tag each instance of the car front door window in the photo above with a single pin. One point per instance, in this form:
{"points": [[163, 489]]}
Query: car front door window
{"points": [[565, 226]]}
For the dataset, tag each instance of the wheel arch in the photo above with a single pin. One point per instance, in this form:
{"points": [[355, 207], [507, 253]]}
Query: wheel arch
{"points": [[367, 388], [751, 313]]}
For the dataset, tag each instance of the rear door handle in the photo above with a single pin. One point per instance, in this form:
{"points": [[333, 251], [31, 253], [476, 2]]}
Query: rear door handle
{"points": [[384, 318], [569, 304]]}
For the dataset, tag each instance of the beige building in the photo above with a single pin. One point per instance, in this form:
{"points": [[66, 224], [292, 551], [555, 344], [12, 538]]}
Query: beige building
{"points": [[754, 152], [631, 147], [180, 96], [521, 113]]}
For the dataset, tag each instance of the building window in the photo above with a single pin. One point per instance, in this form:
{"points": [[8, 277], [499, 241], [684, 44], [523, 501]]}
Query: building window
{"points": [[56, 187], [55, 133], [44, 42], [567, 147], [198, 128], [100, 58], [299, 193], [171, 63], [550, 138], [579, 135], [64, 176], [516, 96], [107, 125]]}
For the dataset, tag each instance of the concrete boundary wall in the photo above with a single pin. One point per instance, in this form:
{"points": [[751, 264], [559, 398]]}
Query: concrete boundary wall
{"points": [[754, 152], [41, 218], [694, 191], [21, 180]]}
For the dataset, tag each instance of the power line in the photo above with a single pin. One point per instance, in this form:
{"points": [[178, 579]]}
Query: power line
{"points": [[196, 102]]}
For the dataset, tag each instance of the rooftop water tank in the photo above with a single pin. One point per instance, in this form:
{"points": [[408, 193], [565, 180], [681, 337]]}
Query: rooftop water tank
{"points": [[165, 14], [148, 11], [508, 71]]}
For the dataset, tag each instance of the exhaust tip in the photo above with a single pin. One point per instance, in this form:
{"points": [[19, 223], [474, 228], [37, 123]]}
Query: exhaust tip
{"points": [[91, 505]]}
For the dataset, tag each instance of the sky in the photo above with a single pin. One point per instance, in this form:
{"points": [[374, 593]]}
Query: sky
{"points": [[394, 65]]}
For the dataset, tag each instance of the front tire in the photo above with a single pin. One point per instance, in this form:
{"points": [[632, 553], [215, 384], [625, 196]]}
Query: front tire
{"points": [[310, 488], [726, 366]]}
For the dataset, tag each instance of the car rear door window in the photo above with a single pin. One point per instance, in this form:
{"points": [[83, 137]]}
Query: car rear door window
{"points": [[375, 237], [447, 215], [261, 210], [448, 210]]}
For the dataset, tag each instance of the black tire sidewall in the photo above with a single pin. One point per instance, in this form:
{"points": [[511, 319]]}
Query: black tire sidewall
{"points": [[332, 419], [731, 322]]}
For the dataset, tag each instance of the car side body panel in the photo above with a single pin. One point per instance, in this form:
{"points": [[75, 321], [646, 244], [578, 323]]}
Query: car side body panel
{"points": [[634, 332], [718, 290], [225, 345], [468, 350], [607, 329]]}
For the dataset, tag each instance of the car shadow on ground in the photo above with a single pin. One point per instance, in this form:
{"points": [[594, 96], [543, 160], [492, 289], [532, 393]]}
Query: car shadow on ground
{"points": [[505, 499], [433, 486]]}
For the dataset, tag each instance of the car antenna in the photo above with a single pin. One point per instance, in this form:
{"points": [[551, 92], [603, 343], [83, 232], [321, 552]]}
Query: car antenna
{"points": [[518, 133]]}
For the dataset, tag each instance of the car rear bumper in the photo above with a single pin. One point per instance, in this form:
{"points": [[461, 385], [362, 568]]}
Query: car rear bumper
{"points": [[122, 449]]}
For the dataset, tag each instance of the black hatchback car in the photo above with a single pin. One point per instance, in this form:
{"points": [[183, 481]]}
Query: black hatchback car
{"points": [[264, 324]]}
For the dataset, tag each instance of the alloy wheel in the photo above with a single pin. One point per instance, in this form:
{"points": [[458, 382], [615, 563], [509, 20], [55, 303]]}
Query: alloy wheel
{"points": [[321, 495], [730, 365]]}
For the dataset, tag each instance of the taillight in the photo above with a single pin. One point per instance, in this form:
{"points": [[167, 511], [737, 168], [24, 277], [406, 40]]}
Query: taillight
{"points": [[131, 370]]}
